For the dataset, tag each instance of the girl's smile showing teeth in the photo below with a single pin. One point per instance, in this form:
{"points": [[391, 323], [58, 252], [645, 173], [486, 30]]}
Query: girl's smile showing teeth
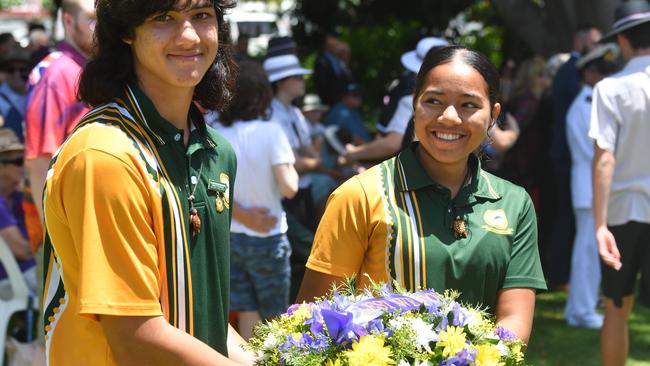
{"points": [[447, 136]]}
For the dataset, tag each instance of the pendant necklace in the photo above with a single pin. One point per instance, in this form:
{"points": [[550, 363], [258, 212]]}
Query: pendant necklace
{"points": [[458, 224], [459, 227], [195, 220]]}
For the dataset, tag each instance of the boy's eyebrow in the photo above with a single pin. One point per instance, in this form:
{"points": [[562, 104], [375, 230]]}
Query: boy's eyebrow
{"points": [[198, 5]]}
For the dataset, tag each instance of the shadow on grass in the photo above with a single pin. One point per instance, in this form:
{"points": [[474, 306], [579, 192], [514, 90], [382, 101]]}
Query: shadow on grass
{"points": [[553, 343]]}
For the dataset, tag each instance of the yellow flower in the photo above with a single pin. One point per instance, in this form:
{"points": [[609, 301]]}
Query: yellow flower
{"points": [[488, 355], [370, 351], [453, 341], [516, 350], [336, 362], [303, 312]]}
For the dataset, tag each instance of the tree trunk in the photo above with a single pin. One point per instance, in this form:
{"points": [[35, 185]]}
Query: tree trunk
{"points": [[548, 29]]}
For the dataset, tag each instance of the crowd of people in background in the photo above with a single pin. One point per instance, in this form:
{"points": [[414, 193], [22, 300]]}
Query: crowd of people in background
{"points": [[295, 146]]}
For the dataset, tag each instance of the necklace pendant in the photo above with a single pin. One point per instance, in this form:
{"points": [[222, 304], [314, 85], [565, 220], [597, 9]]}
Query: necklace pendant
{"points": [[459, 227], [195, 221]]}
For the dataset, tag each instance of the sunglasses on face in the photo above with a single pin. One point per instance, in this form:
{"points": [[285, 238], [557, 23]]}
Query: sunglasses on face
{"points": [[16, 162], [19, 69]]}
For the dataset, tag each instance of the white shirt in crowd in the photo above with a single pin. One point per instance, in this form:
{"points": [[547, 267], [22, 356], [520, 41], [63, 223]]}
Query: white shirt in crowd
{"points": [[296, 129], [620, 123], [402, 115], [258, 146], [581, 146]]}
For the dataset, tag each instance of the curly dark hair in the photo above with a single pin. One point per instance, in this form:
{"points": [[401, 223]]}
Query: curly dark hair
{"points": [[253, 95], [111, 66]]}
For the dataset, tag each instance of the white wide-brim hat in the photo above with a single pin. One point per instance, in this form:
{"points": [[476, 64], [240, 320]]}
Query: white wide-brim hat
{"points": [[312, 102], [412, 60], [280, 67]]}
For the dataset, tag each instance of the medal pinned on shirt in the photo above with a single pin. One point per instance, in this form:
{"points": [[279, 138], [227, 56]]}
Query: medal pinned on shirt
{"points": [[222, 189], [219, 204]]}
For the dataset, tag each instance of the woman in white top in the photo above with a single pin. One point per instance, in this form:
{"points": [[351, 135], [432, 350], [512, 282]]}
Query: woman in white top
{"points": [[260, 271]]}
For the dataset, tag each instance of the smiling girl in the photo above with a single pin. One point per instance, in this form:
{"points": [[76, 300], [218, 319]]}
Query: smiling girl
{"points": [[431, 217]]}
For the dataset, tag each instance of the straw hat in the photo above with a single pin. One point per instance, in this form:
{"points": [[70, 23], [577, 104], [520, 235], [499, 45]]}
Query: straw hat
{"points": [[608, 52], [311, 102], [9, 141]]}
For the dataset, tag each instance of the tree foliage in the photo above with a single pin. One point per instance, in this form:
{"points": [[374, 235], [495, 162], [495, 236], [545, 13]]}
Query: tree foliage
{"points": [[379, 31], [9, 3]]}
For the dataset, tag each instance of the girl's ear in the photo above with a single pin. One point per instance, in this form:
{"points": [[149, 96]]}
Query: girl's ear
{"points": [[496, 111]]}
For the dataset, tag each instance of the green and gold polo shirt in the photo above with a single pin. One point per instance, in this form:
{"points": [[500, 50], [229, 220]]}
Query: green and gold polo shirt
{"points": [[393, 222], [118, 234]]}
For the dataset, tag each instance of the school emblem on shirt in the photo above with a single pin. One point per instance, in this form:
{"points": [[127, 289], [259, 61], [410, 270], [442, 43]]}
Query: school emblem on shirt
{"points": [[496, 221]]}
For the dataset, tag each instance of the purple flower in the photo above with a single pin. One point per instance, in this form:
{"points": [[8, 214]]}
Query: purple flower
{"points": [[377, 326], [316, 321], [462, 316], [462, 358], [318, 343], [456, 311], [293, 308], [340, 302], [341, 326], [433, 309], [505, 334], [444, 322], [386, 290]]}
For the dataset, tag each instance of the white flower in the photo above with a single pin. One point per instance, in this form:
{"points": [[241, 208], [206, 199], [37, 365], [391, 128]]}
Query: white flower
{"points": [[398, 323], [424, 333], [271, 342], [473, 320], [415, 363], [503, 348]]}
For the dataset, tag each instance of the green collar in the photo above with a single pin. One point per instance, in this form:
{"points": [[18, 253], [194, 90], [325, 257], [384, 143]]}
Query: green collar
{"points": [[164, 130], [415, 177]]}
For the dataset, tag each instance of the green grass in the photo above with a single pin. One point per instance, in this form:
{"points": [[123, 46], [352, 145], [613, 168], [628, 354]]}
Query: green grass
{"points": [[553, 343]]}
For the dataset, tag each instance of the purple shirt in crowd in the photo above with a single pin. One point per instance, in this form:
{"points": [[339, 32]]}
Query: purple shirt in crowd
{"points": [[14, 216]]}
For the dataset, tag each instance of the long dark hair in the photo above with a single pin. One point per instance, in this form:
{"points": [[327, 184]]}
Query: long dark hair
{"points": [[111, 67], [252, 97]]}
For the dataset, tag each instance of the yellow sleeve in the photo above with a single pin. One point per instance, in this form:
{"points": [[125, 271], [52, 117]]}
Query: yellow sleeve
{"points": [[107, 205], [343, 235]]}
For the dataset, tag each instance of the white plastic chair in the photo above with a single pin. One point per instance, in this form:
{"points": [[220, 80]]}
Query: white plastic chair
{"points": [[20, 294]]}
